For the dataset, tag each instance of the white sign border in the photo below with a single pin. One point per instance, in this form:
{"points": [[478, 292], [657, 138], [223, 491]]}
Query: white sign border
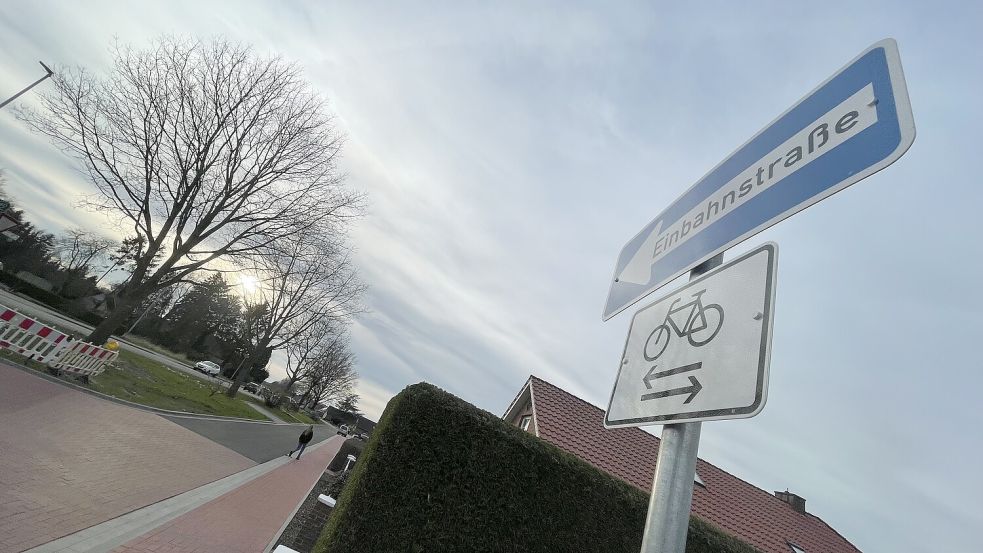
{"points": [[906, 125], [764, 362]]}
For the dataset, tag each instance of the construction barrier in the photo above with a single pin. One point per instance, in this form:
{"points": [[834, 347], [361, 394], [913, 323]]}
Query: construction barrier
{"points": [[25, 336], [39, 342], [82, 359]]}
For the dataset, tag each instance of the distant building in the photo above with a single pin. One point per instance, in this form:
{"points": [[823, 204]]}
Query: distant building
{"points": [[335, 415], [775, 523], [9, 220]]}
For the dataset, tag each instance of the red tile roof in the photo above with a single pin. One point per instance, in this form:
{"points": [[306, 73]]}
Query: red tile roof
{"points": [[750, 513]]}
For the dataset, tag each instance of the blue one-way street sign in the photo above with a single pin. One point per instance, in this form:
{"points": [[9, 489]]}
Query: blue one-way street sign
{"points": [[853, 125]]}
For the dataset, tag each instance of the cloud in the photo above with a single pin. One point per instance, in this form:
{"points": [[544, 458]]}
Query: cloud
{"points": [[509, 151]]}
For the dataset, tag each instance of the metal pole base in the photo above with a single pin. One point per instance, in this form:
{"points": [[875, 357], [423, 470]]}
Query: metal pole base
{"points": [[672, 489]]}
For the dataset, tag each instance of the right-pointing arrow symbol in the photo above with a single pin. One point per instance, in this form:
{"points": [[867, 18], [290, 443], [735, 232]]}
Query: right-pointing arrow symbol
{"points": [[691, 390]]}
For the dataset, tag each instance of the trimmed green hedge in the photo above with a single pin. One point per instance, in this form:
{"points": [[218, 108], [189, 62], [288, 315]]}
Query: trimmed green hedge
{"points": [[440, 475], [350, 447]]}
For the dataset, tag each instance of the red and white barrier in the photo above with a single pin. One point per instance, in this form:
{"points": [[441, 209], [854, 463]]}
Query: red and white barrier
{"points": [[30, 338], [35, 340], [82, 359]]}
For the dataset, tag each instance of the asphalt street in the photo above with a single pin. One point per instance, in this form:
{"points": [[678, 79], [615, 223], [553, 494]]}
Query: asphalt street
{"points": [[49, 316], [257, 441]]}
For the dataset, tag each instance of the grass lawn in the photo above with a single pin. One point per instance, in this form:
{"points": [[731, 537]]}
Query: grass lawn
{"points": [[147, 344], [296, 416], [147, 382], [285, 415]]}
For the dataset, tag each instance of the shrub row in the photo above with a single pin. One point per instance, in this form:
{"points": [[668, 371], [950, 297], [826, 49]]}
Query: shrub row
{"points": [[440, 475], [48, 298], [350, 447]]}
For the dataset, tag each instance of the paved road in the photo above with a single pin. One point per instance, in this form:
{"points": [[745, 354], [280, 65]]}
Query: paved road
{"points": [[50, 316], [69, 460], [259, 442], [252, 515]]}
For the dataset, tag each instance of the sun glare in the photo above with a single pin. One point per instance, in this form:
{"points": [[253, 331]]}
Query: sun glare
{"points": [[249, 283]]}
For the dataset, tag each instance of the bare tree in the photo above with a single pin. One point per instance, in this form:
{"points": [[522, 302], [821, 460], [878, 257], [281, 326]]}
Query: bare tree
{"points": [[302, 283], [204, 150], [78, 249], [315, 341], [331, 377]]}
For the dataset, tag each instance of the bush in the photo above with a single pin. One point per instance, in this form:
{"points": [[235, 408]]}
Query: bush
{"points": [[337, 485], [17, 285], [440, 475], [90, 318], [50, 299], [350, 447]]}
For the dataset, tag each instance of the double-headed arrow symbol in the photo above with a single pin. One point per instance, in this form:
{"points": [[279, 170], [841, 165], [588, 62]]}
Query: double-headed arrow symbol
{"points": [[692, 390]]}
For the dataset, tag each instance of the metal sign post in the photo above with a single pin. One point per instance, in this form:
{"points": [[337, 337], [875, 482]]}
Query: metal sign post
{"points": [[672, 487]]}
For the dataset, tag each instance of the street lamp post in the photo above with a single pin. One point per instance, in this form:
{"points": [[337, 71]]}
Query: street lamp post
{"points": [[30, 86]]}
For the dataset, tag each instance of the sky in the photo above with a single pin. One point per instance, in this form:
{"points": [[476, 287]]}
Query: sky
{"points": [[508, 152]]}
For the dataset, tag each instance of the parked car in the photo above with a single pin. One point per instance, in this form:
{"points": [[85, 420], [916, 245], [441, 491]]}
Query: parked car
{"points": [[208, 368], [343, 430], [251, 387]]}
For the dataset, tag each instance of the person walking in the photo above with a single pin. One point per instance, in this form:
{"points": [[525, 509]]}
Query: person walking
{"points": [[305, 438]]}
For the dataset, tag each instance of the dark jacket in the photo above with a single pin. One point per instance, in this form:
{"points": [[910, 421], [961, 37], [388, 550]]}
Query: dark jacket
{"points": [[307, 436]]}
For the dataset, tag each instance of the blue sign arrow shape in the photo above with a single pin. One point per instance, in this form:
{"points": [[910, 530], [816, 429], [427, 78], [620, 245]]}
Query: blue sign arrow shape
{"points": [[851, 126]]}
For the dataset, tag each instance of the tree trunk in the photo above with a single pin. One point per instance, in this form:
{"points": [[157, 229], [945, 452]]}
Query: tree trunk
{"points": [[244, 370], [303, 398], [291, 380], [124, 308], [127, 300]]}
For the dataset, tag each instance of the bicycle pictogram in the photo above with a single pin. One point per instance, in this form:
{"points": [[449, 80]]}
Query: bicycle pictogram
{"points": [[702, 324]]}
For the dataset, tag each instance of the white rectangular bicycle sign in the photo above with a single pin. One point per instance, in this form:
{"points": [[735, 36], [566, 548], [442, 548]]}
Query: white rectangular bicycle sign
{"points": [[702, 352]]}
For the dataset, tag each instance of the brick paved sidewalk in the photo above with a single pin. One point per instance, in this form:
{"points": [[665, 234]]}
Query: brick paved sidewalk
{"points": [[245, 520], [69, 460]]}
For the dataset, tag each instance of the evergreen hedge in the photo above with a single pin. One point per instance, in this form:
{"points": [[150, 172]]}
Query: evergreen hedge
{"points": [[17, 285], [351, 446], [442, 476], [50, 299]]}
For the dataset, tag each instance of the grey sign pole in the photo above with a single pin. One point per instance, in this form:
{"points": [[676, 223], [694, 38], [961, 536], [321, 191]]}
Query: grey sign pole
{"points": [[672, 486]]}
